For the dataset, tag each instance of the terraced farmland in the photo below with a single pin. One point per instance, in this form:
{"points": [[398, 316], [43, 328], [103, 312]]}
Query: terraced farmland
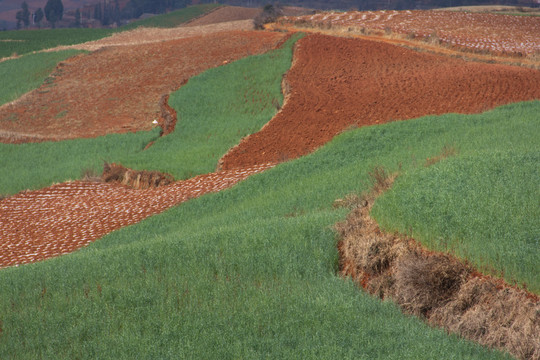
{"points": [[497, 34]]}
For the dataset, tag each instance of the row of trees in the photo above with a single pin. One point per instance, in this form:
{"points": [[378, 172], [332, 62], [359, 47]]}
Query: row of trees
{"points": [[54, 11]]}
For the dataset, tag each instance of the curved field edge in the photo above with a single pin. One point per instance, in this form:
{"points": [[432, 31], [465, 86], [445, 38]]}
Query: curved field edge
{"points": [[28, 72], [215, 110], [19, 42], [210, 121], [249, 272]]}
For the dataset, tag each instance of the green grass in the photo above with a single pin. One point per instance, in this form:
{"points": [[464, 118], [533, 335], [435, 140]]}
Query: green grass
{"points": [[248, 272], [215, 110], [20, 42], [481, 206], [25, 41], [174, 18], [34, 166], [28, 72]]}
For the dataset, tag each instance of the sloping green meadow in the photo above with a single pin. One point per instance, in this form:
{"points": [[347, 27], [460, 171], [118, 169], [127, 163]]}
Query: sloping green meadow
{"points": [[250, 272]]}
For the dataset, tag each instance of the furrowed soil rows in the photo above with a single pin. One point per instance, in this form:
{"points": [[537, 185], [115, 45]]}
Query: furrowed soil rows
{"points": [[118, 88], [37, 225], [498, 34], [338, 82]]}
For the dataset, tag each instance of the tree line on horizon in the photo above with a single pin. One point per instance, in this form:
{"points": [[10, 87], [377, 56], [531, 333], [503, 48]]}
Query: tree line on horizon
{"points": [[109, 12]]}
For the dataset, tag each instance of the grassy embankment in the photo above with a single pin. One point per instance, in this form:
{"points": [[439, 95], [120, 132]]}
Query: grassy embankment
{"points": [[203, 134], [250, 272], [20, 42]]}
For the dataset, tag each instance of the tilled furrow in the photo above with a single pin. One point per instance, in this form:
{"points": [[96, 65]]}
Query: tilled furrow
{"points": [[36, 225]]}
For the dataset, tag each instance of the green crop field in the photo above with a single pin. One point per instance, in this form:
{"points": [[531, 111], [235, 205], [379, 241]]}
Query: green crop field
{"points": [[174, 18], [20, 42], [28, 72]]}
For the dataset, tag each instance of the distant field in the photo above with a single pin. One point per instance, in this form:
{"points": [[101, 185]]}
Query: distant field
{"points": [[28, 72], [172, 19], [477, 32], [19, 42]]}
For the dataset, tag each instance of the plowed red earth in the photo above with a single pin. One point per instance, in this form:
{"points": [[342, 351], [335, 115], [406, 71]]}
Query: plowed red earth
{"points": [[499, 34], [337, 83], [37, 225], [117, 89]]}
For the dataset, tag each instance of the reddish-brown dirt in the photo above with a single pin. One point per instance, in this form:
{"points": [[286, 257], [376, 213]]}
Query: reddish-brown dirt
{"points": [[118, 88], [499, 34], [37, 225], [337, 83]]}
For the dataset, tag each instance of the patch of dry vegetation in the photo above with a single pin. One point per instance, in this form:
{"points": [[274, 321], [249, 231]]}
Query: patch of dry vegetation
{"points": [[437, 287], [135, 179]]}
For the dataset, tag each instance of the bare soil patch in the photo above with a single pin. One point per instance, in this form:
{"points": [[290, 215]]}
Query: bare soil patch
{"points": [[118, 88], [37, 225], [439, 288], [336, 83], [225, 14]]}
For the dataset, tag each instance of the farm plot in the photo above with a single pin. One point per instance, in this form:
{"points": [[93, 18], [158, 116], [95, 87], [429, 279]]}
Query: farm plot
{"points": [[37, 225], [497, 34], [338, 83], [118, 88]]}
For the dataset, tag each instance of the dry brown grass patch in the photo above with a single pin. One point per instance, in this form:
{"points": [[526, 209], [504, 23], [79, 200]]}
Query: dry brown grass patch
{"points": [[133, 178], [437, 287]]}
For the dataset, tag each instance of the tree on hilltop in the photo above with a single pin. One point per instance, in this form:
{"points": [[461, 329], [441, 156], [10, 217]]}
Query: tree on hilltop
{"points": [[54, 11], [38, 16], [23, 16]]}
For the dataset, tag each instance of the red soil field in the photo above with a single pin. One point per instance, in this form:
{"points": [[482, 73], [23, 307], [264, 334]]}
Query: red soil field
{"points": [[36, 225], [498, 34], [337, 83], [118, 88]]}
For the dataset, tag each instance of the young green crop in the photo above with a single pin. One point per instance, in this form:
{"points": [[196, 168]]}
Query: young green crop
{"points": [[205, 130], [27, 73]]}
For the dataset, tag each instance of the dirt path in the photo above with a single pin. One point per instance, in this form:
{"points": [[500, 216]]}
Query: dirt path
{"points": [[118, 88], [37, 225], [337, 83]]}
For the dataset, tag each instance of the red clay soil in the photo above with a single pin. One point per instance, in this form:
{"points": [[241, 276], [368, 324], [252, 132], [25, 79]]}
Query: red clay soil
{"points": [[337, 83], [37, 225], [498, 34], [118, 89]]}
